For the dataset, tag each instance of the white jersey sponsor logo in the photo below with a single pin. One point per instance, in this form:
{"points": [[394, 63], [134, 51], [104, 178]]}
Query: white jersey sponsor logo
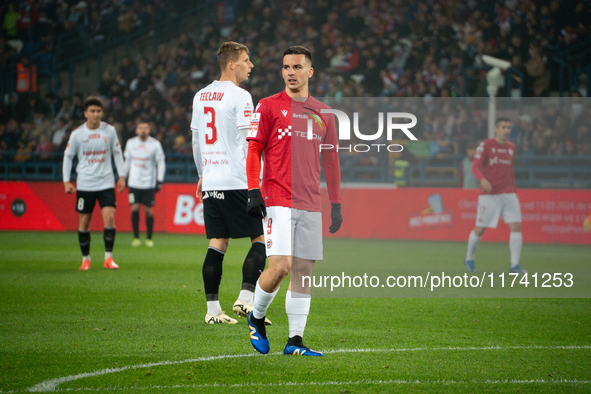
{"points": [[214, 194]]}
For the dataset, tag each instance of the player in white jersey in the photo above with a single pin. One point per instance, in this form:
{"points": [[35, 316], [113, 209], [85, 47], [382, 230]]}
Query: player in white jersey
{"points": [[221, 117], [144, 168], [93, 143]]}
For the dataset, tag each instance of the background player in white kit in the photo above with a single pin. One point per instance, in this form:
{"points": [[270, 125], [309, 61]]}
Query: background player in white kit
{"points": [[493, 167], [93, 143], [221, 117], [144, 168]]}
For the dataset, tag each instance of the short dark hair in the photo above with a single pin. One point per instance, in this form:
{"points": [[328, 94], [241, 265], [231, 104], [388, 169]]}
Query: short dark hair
{"points": [[230, 50], [298, 50], [471, 145], [502, 119], [92, 100]]}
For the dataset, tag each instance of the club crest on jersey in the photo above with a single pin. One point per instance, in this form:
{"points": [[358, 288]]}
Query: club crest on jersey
{"points": [[284, 112], [269, 243], [284, 132]]}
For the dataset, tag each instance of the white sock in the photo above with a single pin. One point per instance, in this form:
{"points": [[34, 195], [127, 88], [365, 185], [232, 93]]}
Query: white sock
{"points": [[108, 254], [246, 296], [214, 308], [297, 306], [515, 244], [85, 258], [262, 300], [473, 241]]}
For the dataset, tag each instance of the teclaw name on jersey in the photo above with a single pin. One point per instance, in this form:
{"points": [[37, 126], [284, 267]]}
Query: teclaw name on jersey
{"points": [[211, 96]]}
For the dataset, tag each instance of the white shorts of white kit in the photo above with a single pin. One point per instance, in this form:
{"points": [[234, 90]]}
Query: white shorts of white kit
{"points": [[293, 232], [492, 206]]}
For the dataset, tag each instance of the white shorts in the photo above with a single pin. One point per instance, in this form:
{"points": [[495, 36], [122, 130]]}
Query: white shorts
{"points": [[491, 206], [293, 232]]}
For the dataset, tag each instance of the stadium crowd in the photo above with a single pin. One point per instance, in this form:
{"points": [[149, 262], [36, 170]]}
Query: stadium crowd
{"points": [[361, 48]]}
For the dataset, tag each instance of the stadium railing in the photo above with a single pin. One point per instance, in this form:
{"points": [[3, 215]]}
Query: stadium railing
{"points": [[531, 171], [573, 61]]}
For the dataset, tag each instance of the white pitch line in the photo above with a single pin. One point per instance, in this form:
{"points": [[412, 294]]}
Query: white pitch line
{"points": [[51, 385], [337, 383]]}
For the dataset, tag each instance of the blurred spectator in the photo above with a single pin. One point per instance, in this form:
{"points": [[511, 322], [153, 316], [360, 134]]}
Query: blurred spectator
{"points": [[44, 148], [28, 14], [104, 87], [469, 181], [536, 70], [60, 133], [10, 21], [180, 146], [23, 151], [26, 78], [53, 104], [128, 70]]}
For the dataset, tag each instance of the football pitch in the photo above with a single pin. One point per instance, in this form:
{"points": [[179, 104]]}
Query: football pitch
{"points": [[141, 329]]}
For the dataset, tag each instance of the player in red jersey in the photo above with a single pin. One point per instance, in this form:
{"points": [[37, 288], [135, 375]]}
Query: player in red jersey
{"points": [[289, 128], [493, 167]]}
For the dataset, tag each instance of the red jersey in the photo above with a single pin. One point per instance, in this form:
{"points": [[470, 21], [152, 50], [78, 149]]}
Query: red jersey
{"points": [[291, 171], [494, 162]]}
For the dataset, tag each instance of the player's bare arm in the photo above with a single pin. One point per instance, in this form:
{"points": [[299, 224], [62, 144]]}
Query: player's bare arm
{"points": [[199, 191], [121, 184], [70, 188]]}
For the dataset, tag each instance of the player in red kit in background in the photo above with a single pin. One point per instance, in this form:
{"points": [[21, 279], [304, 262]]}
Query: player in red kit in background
{"points": [[291, 208], [493, 167]]}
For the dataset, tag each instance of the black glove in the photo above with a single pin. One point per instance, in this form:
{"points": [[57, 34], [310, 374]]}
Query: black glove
{"points": [[336, 218], [256, 205], [158, 186]]}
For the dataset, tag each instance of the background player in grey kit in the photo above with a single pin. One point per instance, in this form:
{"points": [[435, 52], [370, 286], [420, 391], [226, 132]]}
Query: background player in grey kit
{"points": [[144, 168], [221, 117], [93, 143]]}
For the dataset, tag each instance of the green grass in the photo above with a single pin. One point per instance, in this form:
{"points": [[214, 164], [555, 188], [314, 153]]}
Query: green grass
{"points": [[57, 322]]}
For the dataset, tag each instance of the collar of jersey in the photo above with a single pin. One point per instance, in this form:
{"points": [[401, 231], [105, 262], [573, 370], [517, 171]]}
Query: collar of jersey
{"points": [[286, 97]]}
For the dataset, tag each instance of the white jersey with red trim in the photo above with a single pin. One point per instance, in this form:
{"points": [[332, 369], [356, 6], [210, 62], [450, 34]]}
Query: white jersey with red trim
{"points": [[221, 117], [144, 163], [93, 149]]}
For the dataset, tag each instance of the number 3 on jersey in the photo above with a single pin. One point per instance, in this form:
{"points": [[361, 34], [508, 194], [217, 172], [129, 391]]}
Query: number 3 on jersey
{"points": [[210, 137]]}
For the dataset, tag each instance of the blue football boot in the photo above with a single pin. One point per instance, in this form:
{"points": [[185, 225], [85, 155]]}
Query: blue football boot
{"points": [[295, 346], [258, 336]]}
